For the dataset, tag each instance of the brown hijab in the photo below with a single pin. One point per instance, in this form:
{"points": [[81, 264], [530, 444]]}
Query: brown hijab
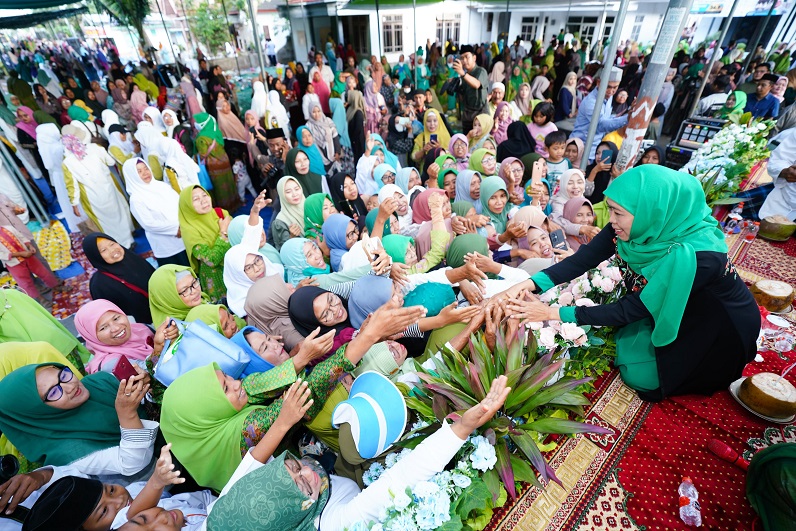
{"points": [[230, 125], [266, 309]]}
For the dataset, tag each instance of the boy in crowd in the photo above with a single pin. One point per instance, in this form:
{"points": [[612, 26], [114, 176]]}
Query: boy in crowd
{"points": [[556, 144]]}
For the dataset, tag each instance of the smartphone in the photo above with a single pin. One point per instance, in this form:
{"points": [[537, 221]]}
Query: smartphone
{"points": [[252, 131], [124, 370], [434, 137], [559, 240], [606, 156], [536, 173]]}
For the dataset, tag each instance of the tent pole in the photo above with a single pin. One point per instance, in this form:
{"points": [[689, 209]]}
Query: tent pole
{"points": [[378, 25], [252, 16], [168, 37], [414, 24], [232, 37]]}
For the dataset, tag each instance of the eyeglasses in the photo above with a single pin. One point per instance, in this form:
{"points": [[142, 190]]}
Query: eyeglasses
{"points": [[55, 392], [516, 171], [488, 160], [353, 234], [258, 262], [190, 289], [388, 178], [331, 309]]}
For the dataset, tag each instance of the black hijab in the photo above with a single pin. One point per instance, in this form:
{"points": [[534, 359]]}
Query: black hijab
{"points": [[603, 178], [428, 160], [133, 272], [519, 142], [354, 209], [299, 307], [661, 154], [303, 78]]}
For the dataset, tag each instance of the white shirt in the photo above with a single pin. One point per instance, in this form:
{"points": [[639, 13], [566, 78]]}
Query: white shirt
{"points": [[326, 73], [710, 102], [782, 199]]}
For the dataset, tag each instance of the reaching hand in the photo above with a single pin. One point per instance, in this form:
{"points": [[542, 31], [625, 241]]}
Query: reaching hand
{"points": [[392, 318], [387, 207], [589, 231], [309, 281], [532, 310], [314, 345], [223, 225], [451, 314], [295, 230], [165, 474], [471, 292], [295, 403], [478, 415], [398, 273], [494, 314], [260, 202]]}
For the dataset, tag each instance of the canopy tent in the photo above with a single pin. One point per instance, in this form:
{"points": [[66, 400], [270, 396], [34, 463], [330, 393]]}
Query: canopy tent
{"points": [[34, 4], [34, 19]]}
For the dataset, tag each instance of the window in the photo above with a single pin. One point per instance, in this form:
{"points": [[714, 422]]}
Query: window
{"points": [[490, 18], [448, 28], [636, 31], [392, 33], [529, 28]]}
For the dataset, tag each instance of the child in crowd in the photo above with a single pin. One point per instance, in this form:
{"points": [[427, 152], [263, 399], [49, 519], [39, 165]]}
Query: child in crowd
{"points": [[616, 136], [556, 144], [542, 125], [19, 256], [242, 180]]}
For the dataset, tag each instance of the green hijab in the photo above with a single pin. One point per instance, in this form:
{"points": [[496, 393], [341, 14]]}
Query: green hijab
{"points": [[443, 173], [463, 244], [203, 427], [370, 222], [672, 223], [461, 208], [740, 105], [268, 498], [475, 161], [196, 229], [53, 436], [209, 315], [78, 113], [771, 485], [311, 183], [208, 127], [489, 187], [24, 319], [164, 301], [313, 214], [396, 246]]}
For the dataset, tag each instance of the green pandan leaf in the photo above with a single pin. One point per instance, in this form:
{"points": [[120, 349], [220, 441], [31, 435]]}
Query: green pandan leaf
{"points": [[562, 426]]}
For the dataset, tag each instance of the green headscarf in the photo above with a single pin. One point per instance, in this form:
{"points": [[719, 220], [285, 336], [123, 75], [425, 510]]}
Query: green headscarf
{"points": [[313, 214], [164, 301], [433, 296], [740, 105], [370, 222], [672, 223], [42, 117], [196, 228], [442, 158], [203, 427], [443, 173], [771, 485], [268, 498], [208, 127], [463, 244], [379, 358], [489, 187], [475, 161], [209, 315], [695, 69], [295, 262], [78, 113], [396, 246], [146, 85], [53, 436], [235, 234], [461, 208]]}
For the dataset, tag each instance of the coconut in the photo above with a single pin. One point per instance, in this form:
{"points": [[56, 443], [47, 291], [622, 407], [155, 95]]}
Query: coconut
{"points": [[772, 295], [777, 228], [769, 394]]}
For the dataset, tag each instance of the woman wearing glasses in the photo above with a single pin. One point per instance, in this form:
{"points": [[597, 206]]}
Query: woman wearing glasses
{"points": [[122, 276], [53, 417], [173, 291]]}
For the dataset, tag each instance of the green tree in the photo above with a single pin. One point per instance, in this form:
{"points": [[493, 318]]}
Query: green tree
{"points": [[208, 24], [130, 12]]}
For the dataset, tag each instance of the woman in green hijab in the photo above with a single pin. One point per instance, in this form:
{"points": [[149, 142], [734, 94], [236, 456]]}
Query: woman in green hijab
{"points": [[494, 200], [688, 322], [317, 208], [173, 291], [733, 108], [209, 145], [297, 165], [484, 162], [204, 232]]}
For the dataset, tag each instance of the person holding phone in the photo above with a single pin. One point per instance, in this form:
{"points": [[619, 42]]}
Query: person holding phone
{"points": [[572, 185], [475, 83], [434, 135], [600, 172]]}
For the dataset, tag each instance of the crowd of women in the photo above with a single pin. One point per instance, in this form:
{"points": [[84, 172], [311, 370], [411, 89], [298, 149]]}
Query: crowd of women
{"points": [[380, 252]]}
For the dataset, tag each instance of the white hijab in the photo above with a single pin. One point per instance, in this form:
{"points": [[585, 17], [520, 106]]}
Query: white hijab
{"points": [[235, 278], [278, 111], [388, 191], [175, 120], [156, 195], [172, 154], [157, 120], [259, 99], [109, 118]]}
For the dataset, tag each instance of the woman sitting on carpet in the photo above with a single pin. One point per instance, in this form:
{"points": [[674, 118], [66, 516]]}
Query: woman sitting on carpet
{"points": [[688, 322]]}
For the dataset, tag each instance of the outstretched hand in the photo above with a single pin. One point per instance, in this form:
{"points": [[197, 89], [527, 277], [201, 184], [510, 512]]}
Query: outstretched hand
{"points": [[481, 413]]}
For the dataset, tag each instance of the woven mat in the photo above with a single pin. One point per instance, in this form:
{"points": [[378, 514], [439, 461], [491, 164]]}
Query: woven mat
{"points": [[585, 466], [762, 259]]}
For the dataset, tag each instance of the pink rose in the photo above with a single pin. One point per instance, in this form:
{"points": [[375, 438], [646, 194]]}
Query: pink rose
{"points": [[571, 331], [607, 285], [547, 296], [581, 341], [566, 299], [614, 274], [536, 325], [547, 337], [555, 325], [602, 266], [585, 302]]}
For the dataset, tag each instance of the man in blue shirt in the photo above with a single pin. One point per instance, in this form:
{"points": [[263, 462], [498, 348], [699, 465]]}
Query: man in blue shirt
{"points": [[587, 106], [762, 104]]}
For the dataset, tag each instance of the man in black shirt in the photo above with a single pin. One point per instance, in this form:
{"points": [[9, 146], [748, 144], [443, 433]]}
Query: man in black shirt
{"points": [[474, 86]]}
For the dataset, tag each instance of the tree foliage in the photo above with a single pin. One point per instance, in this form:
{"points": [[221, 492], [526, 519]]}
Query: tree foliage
{"points": [[131, 13], [208, 24]]}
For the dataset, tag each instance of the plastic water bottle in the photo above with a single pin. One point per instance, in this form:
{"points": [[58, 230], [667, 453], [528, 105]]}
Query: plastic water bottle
{"points": [[751, 232], [730, 225], [690, 512], [737, 209]]}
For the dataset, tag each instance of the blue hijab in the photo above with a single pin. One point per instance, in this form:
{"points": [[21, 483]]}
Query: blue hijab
{"points": [[257, 364], [334, 233], [313, 153], [402, 178], [463, 181], [379, 172], [338, 117], [389, 158], [368, 295], [295, 262]]}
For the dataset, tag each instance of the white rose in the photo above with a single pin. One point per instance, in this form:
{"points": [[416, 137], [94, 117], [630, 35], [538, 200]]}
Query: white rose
{"points": [[566, 299], [547, 337], [535, 325], [571, 331], [585, 302]]}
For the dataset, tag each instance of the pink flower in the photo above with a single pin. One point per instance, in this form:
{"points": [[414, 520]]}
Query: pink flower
{"points": [[614, 274], [580, 288], [581, 340], [571, 331], [602, 266], [547, 296], [547, 337], [585, 302], [607, 285], [566, 299], [555, 325], [536, 325]]}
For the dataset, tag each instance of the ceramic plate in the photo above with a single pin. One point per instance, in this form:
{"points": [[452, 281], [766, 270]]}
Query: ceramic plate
{"points": [[736, 385]]}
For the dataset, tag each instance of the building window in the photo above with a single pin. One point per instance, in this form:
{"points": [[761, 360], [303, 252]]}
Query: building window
{"points": [[392, 33], [448, 27], [490, 18], [529, 28], [636, 31]]}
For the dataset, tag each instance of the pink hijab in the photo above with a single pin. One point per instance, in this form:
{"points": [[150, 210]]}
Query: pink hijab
{"points": [[499, 132], [138, 347], [461, 164], [30, 127], [138, 104], [323, 92], [571, 208]]}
